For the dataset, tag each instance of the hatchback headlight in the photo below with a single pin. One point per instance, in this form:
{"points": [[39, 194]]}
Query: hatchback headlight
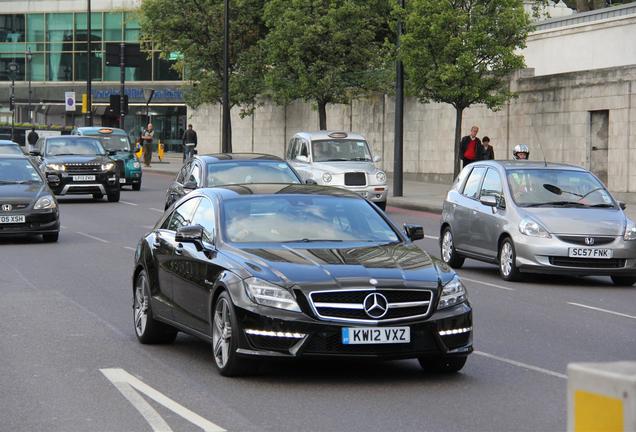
{"points": [[533, 228], [453, 294], [56, 167], [108, 166], [45, 202], [264, 293], [380, 176], [630, 230], [326, 177]]}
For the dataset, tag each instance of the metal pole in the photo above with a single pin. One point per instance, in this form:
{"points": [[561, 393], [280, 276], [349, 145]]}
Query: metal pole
{"points": [[226, 145], [13, 107], [398, 150], [122, 79], [28, 71], [89, 111]]}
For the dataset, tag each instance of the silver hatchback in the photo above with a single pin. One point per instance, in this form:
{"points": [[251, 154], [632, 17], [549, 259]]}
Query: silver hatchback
{"points": [[537, 217]]}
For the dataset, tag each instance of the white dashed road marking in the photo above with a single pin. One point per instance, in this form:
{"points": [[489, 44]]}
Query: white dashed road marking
{"points": [[602, 310], [521, 365], [156, 209], [431, 237], [130, 248], [488, 284], [92, 237], [128, 203]]}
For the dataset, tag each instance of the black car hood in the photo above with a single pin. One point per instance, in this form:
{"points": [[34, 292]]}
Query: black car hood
{"points": [[14, 193], [77, 159], [395, 264]]}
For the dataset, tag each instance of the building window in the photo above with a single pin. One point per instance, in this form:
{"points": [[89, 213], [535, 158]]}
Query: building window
{"points": [[11, 28]]}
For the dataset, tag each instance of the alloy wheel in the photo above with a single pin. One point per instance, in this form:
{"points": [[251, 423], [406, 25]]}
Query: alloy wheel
{"points": [[505, 259], [140, 307], [222, 333], [447, 246]]}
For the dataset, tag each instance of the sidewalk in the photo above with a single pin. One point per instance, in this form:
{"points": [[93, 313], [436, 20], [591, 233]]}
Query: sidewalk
{"points": [[417, 195]]}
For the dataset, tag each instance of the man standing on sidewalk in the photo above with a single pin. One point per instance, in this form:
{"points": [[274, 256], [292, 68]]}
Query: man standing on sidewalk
{"points": [[189, 143], [147, 137], [32, 139], [470, 147]]}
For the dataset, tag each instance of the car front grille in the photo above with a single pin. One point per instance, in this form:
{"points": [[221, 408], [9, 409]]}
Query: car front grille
{"points": [[588, 240], [355, 179], [14, 206], [587, 262], [348, 305], [121, 169], [82, 168]]}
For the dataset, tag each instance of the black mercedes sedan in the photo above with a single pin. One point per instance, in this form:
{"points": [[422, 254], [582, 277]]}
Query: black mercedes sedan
{"points": [[27, 205], [270, 270], [227, 169]]}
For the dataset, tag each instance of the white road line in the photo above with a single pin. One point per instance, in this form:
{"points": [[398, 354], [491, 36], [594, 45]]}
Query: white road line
{"points": [[431, 237], [128, 203], [63, 227], [153, 418], [92, 237], [487, 284], [130, 248], [156, 209], [120, 376], [602, 310], [522, 365]]}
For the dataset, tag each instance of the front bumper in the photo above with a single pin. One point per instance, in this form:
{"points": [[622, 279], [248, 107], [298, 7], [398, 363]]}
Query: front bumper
{"points": [[36, 222], [132, 176], [550, 255], [62, 183], [375, 193]]}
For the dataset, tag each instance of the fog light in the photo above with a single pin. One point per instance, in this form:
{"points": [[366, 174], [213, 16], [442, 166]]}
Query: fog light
{"points": [[274, 334], [455, 331]]}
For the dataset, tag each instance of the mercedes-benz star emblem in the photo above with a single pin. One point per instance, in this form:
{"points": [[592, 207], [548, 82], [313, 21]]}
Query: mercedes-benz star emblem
{"points": [[6, 207], [589, 241], [376, 305]]}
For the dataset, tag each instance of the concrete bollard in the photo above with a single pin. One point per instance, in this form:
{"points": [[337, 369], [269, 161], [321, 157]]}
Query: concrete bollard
{"points": [[602, 397]]}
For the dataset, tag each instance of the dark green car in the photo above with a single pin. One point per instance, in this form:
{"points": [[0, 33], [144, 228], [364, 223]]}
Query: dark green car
{"points": [[114, 139]]}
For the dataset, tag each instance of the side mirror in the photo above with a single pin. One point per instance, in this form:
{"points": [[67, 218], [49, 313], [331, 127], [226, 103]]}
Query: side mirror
{"points": [[35, 153], [192, 185], [414, 232], [489, 200], [622, 205], [301, 158], [377, 158], [112, 152], [310, 182], [190, 234]]}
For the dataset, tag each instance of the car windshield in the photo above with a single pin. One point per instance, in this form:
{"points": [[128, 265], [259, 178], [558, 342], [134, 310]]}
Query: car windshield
{"points": [[74, 146], [17, 171], [557, 188], [113, 142], [303, 219], [340, 150], [228, 173], [10, 149]]}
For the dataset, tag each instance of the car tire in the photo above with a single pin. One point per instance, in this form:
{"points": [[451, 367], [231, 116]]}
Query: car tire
{"points": [[98, 196], [382, 205], [148, 330], [225, 331], [50, 237], [507, 261], [447, 250], [114, 196], [623, 280], [136, 186], [442, 365]]}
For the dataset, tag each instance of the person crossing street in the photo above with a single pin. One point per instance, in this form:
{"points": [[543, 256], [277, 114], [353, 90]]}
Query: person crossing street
{"points": [[147, 138], [189, 143]]}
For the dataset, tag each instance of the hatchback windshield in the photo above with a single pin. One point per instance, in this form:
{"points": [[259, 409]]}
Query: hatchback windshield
{"points": [[228, 173], [303, 218], [113, 142], [340, 150], [16, 171], [557, 188], [10, 149], [74, 146]]}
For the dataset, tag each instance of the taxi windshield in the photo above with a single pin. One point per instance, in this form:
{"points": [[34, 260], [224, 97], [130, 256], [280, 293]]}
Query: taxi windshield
{"points": [[340, 151]]}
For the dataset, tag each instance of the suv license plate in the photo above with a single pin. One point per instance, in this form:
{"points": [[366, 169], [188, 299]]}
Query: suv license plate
{"points": [[590, 253], [12, 219], [378, 335], [122, 180], [83, 178]]}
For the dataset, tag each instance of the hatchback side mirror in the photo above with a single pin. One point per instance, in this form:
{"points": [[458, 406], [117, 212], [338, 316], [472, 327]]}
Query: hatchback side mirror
{"points": [[414, 232], [190, 185], [489, 200], [622, 205], [35, 153], [190, 234]]}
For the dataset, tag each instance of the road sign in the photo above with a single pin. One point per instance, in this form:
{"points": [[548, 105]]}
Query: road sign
{"points": [[69, 101]]}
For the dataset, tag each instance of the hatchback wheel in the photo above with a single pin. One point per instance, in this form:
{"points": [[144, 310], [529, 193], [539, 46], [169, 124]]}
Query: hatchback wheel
{"points": [[507, 261], [624, 280], [147, 329], [448, 252], [442, 364], [225, 331]]}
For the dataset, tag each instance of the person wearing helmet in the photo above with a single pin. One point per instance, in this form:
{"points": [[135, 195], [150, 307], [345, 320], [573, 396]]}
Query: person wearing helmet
{"points": [[521, 152]]}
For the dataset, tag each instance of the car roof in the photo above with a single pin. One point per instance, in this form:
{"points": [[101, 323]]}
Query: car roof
{"points": [[14, 156], [325, 135], [264, 189], [71, 137], [96, 130], [521, 164], [8, 142], [222, 157]]}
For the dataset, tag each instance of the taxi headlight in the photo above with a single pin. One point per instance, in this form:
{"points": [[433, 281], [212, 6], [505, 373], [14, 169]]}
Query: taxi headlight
{"points": [[533, 228], [56, 167], [630, 230], [264, 293], [453, 294], [108, 166], [326, 177], [45, 202], [136, 165], [380, 176]]}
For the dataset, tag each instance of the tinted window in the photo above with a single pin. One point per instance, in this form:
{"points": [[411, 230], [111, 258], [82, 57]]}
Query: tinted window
{"points": [[14, 171], [340, 150], [492, 184], [225, 173], [471, 190], [182, 216], [204, 216], [73, 146]]}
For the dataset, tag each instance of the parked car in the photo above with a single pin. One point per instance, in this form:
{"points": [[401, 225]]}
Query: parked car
{"points": [[78, 165], [27, 205], [228, 169], [339, 159], [293, 271], [537, 217], [118, 143], [8, 147]]}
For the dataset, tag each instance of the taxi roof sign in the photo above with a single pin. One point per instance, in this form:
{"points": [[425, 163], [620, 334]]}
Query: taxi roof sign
{"points": [[105, 131], [338, 135]]}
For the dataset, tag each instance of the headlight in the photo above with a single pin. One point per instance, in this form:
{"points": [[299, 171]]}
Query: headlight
{"points": [[453, 294], [136, 165], [630, 230], [108, 166], [326, 177], [532, 228], [56, 167], [380, 176], [267, 294], [45, 202]]}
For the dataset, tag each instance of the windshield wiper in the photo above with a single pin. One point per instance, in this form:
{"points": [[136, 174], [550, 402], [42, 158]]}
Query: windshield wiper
{"points": [[361, 159], [66, 154], [6, 182], [337, 160], [603, 205], [306, 240], [556, 204]]}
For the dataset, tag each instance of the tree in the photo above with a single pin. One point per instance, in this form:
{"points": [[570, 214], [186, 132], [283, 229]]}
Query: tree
{"points": [[462, 52], [194, 28], [324, 51]]}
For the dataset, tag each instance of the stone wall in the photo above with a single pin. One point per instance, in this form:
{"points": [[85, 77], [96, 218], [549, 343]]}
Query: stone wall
{"points": [[551, 114]]}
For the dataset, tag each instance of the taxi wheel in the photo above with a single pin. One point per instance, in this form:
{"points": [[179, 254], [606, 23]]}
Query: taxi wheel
{"points": [[508, 261], [443, 365], [447, 249], [624, 280], [136, 186], [147, 329], [225, 334], [114, 196], [50, 237]]}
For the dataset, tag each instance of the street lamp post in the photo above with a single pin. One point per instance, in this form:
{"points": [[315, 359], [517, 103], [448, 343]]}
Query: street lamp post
{"points": [[13, 69], [398, 146], [29, 57], [89, 111], [226, 139]]}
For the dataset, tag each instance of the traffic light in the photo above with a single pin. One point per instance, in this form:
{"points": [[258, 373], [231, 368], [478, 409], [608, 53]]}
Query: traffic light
{"points": [[114, 104], [11, 102]]}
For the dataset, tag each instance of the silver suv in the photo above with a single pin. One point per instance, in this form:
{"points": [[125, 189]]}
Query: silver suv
{"points": [[338, 159]]}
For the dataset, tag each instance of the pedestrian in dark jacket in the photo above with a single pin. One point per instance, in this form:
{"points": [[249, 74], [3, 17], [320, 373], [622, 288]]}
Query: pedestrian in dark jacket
{"points": [[470, 147], [189, 142], [488, 153], [32, 139]]}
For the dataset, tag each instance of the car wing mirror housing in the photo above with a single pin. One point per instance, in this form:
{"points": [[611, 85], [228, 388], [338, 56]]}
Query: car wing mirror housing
{"points": [[310, 182], [190, 234], [489, 200], [35, 153], [414, 232], [302, 158], [377, 158], [190, 185], [622, 205]]}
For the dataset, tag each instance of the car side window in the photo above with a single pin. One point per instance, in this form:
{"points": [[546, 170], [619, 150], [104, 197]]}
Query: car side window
{"points": [[471, 189], [182, 216], [182, 174], [195, 174], [304, 150], [492, 184], [204, 216]]}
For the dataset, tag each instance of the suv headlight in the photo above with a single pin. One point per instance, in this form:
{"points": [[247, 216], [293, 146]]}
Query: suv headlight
{"points": [[380, 176], [533, 228], [630, 230], [108, 166], [453, 294], [56, 167], [326, 177], [45, 202], [264, 293]]}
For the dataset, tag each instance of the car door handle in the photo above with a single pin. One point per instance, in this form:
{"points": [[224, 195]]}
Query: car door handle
{"points": [[179, 250]]}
